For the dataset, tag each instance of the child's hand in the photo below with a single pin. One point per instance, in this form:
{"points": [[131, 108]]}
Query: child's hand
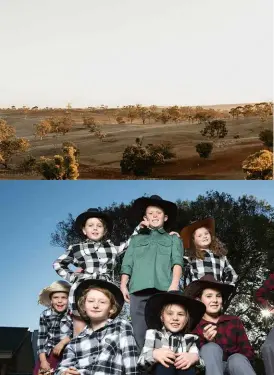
{"points": [[144, 224], [78, 270], [164, 356], [44, 365], [173, 287], [172, 233], [58, 348], [184, 360], [125, 292], [71, 371], [209, 332]]}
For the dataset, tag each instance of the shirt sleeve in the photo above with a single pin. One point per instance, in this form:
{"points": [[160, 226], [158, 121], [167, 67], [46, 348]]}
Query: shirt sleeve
{"points": [[61, 265], [177, 251], [199, 332], [261, 293], [129, 351], [146, 357], [128, 261], [124, 245], [194, 349], [42, 335], [229, 274], [243, 341], [68, 360]]}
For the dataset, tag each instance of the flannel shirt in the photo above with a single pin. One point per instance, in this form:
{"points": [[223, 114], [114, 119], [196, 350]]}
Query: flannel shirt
{"points": [[262, 294], [53, 327], [164, 339], [110, 350], [231, 336], [215, 265], [95, 258]]}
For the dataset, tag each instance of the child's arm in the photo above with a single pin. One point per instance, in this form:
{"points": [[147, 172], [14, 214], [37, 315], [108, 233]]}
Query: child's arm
{"points": [[187, 359], [261, 294], [67, 365], [41, 342], [177, 253], [61, 345], [124, 245], [243, 341], [61, 265], [126, 271], [229, 274], [129, 351]]}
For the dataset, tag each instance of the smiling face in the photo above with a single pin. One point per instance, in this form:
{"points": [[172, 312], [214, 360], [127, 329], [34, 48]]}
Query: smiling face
{"points": [[94, 229], [202, 238], [174, 317], [213, 300], [97, 306], [155, 217], [59, 301]]}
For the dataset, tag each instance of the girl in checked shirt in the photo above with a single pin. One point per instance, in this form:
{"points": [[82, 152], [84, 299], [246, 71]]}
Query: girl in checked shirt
{"points": [[55, 326], [96, 256], [205, 254]]}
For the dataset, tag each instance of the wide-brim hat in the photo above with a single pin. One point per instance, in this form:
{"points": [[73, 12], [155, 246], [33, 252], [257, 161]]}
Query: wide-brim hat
{"points": [[155, 304], [55, 287], [112, 288], [195, 288], [187, 232], [140, 205], [92, 212]]}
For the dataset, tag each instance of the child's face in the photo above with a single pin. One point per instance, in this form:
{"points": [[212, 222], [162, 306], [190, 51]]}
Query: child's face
{"points": [[155, 217], [213, 301], [97, 306], [202, 238], [174, 318], [94, 229], [59, 301]]}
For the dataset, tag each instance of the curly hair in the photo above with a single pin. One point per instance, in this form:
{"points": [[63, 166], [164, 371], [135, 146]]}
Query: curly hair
{"points": [[107, 293], [216, 246]]}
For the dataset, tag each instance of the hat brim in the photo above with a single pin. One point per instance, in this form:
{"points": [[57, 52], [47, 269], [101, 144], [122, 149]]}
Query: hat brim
{"points": [[156, 303], [112, 288], [187, 232], [45, 294], [83, 217], [140, 205], [195, 288]]}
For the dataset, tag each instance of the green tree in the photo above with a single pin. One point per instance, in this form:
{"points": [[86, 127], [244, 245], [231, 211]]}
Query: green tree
{"points": [[215, 129], [204, 149], [266, 136]]}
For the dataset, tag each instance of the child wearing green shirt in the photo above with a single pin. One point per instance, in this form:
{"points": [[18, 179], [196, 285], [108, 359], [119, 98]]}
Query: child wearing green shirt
{"points": [[153, 261]]}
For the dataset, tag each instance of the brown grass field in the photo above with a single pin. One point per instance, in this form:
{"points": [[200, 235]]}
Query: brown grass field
{"points": [[101, 159]]}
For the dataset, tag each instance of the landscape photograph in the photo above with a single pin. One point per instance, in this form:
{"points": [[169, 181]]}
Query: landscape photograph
{"points": [[136, 90]]}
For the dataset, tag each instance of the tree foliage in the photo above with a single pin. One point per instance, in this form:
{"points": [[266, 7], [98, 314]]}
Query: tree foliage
{"points": [[215, 129], [266, 136], [204, 149], [259, 166]]}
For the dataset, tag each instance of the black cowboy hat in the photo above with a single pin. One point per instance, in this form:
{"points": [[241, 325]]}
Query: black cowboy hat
{"points": [[140, 205], [156, 303], [112, 288], [187, 232], [92, 212], [195, 288]]}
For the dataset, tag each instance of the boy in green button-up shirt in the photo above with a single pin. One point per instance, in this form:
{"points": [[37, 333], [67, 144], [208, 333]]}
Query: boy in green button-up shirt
{"points": [[153, 261]]}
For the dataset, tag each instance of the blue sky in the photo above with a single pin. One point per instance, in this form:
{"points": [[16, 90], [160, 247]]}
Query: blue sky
{"points": [[30, 211], [93, 52]]}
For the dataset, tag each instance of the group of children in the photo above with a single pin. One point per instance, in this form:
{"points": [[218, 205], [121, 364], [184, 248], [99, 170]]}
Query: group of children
{"points": [[176, 286]]}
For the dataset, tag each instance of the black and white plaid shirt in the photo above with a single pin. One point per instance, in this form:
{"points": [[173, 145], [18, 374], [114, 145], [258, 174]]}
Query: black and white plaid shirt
{"points": [[95, 258], [165, 339], [215, 265], [53, 327], [111, 350]]}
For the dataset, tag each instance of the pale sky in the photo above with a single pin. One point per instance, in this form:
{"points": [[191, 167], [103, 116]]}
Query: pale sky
{"points": [[119, 52]]}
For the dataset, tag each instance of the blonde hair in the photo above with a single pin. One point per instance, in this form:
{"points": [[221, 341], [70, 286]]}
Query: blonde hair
{"points": [[82, 300], [216, 246], [186, 328]]}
